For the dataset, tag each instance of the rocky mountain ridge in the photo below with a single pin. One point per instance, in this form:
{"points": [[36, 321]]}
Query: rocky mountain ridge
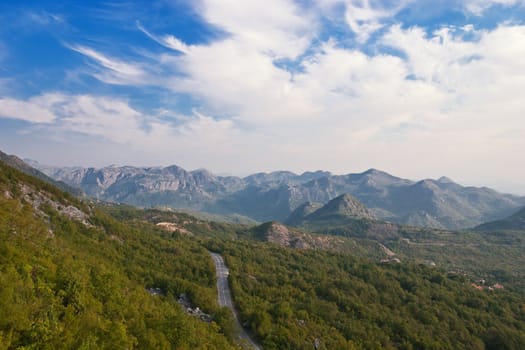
{"points": [[439, 203]]}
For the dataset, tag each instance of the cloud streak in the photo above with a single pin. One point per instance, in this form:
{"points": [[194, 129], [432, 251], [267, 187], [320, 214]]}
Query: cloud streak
{"points": [[168, 41], [479, 6], [111, 70]]}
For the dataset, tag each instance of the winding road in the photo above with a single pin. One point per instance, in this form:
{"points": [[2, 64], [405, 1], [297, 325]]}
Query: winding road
{"points": [[225, 298]]}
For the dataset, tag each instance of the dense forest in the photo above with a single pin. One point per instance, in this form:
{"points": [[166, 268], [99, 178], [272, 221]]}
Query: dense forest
{"points": [[80, 275], [68, 285], [292, 299]]}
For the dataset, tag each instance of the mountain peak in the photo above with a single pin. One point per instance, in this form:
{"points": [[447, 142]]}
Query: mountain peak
{"points": [[427, 184], [175, 170], [445, 180], [202, 172], [344, 205], [373, 171]]}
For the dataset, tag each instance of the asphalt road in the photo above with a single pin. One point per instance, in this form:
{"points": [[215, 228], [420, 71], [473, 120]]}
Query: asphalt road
{"points": [[225, 298]]}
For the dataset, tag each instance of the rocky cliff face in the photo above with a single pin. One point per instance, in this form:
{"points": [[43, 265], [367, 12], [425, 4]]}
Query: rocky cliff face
{"points": [[264, 197]]}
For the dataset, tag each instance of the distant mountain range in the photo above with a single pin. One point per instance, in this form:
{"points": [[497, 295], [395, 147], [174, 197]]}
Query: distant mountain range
{"points": [[263, 197]]}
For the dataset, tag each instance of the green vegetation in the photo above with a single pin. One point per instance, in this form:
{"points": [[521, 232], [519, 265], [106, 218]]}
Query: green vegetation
{"points": [[67, 285], [83, 282], [494, 255], [290, 298]]}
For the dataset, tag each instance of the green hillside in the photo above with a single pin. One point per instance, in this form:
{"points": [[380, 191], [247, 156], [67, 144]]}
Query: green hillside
{"points": [[17, 163], [76, 275], [71, 277], [293, 299]]}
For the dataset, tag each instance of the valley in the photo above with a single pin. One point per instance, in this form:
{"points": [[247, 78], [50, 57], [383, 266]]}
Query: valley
{"points": [[339, 278], [268, 175]]}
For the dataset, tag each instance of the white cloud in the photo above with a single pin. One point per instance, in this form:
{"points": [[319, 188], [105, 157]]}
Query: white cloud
{"points": [[38, 109], [109, 118], [480, 120], [275, 27], [114, 71], [447, 102], [114, 120], [97, 116], [347, 110], [479, 6], [168, 41], [363, 19]]}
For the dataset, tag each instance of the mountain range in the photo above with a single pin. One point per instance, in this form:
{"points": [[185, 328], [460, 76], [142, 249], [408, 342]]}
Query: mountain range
{"points": [[439, 203], [69, 266]]}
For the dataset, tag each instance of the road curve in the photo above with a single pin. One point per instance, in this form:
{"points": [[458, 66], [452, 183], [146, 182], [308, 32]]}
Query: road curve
{"points": [[225, 297]]}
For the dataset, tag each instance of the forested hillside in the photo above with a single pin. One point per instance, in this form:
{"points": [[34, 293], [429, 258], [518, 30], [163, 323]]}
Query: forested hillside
{"points": [[78, 275], [71, 277], [298, 299]]}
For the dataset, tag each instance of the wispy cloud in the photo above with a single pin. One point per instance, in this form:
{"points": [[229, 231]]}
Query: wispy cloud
{"points": [[168, 41], [113, 71], [479, 6], [45, 18], [110, 118], [38, 109], [363, 19]]}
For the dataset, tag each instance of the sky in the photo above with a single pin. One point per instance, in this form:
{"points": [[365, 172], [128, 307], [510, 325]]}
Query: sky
{"points": [[419, 89]]}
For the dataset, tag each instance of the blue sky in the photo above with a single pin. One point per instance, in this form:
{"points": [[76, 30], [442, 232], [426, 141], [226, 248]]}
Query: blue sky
{"points": [[416, 88]]}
